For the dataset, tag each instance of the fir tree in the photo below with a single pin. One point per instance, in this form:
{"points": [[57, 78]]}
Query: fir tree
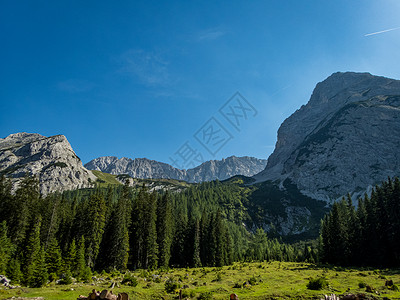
{"points": [[80, 264], [53, 257], [6, 248], [151, 261], [70, 261], [164, 229], [196, 245], [95, 227], [33, 255]]}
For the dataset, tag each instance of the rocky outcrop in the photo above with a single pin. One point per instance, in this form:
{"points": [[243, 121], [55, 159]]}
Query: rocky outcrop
{"points": [[207, 171], [51, 159], [344, 140]]}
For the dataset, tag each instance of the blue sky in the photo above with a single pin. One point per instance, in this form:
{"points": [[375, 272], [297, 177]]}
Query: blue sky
{"points": [[140, 79]]}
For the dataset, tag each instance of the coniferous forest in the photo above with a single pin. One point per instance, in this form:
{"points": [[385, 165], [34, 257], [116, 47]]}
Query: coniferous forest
{"points": [[122, 228], [368, 235]]}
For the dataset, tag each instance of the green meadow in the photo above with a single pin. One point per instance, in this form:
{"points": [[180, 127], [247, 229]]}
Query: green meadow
{"points": [[266, 280]]}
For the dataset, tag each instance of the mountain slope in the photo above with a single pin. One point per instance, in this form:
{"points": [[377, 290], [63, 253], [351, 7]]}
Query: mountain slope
{"points": [[207, 171], [344, 140], [51, 159]]}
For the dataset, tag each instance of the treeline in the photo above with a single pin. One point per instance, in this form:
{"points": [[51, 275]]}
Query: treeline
{"points": [[368, 235], [119, 228]]}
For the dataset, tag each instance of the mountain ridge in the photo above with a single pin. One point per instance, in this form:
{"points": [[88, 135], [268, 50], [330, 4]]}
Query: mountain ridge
{"points": [[209, 170]]}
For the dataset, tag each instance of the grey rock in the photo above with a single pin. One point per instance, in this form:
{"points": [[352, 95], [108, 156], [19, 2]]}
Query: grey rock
{"points": [[344, 140], [207, 171], [50, 159]]}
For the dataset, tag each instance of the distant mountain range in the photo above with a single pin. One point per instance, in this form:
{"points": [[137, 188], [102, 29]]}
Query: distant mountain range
{"points": [[207, 171]]}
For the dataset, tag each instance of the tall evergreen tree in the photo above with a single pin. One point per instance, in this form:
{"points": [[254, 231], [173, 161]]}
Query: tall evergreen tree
{"points": [[95, 227], [33, 255], [53, 257], [164, 229], [80, 263], [151, 261], [196, 244], [6, 248]]}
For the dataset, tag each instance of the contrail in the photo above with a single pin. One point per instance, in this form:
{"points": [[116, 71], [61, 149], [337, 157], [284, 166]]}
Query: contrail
{"points": [[382, 31]]}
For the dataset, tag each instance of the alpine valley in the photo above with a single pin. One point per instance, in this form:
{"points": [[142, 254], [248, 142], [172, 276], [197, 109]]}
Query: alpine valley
{"points": [[344, 140]]}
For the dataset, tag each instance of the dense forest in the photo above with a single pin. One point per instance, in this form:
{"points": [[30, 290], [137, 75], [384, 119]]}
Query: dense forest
{"points": [[368, 235], [124, 228], [120, 228]]}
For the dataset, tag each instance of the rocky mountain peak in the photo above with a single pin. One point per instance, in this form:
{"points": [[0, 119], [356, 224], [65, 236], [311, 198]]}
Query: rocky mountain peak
{"points": [[353, 110], [51, 159]]}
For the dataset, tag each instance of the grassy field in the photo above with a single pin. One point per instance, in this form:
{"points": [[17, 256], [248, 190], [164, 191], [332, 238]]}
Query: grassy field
{"points": [[267, 280]]}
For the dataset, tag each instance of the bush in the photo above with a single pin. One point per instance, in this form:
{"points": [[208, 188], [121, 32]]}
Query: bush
{"points": [[317, 283], [362, 285], [237, 286], [171, 286], [129, 280], [205, 296], [86, 276], [66, 278], [53, 277], [253, 280], [188, 293]]}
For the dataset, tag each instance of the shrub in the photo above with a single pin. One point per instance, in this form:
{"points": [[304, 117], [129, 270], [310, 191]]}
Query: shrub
{"points": [[253, 280], [188, 293], [53, 277], [130, 280], [171, 286], [205, 296], [66, 278], [237, 286], [317, 283], [361, 285]]}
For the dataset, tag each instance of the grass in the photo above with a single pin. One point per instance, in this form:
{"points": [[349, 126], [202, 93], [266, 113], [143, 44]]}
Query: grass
{"points": [[267, 280], [105, 179]]}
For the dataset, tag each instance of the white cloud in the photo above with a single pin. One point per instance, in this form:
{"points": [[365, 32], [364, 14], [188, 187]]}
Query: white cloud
{"points": [[149, 67], [210, 34]]}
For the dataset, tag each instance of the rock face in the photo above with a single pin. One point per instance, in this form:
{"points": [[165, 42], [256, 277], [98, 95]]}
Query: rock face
{"points": [[346, 139], [209, 170], [51, 159]]}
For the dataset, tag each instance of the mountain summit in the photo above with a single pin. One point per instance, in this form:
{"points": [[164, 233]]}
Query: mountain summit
{"points": [[50, 159], [345, 139]]}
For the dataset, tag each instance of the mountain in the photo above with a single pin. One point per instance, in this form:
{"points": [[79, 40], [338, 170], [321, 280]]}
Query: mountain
{"points": [[207, 171], [51, 159], [345, 139]]}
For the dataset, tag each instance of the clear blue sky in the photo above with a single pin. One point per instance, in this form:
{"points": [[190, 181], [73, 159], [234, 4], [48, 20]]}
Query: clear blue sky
{"points": [[139, 79]]}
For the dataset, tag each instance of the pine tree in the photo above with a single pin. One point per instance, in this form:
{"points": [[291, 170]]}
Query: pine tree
{"points": [[164, 229], [25, 210], [14, 271], [40, 274], [95, 227], [53, 257], [6, 248], [196, 245], [151, 261], [80, 264], [33, 255], [119, 232], [70, 261]]}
